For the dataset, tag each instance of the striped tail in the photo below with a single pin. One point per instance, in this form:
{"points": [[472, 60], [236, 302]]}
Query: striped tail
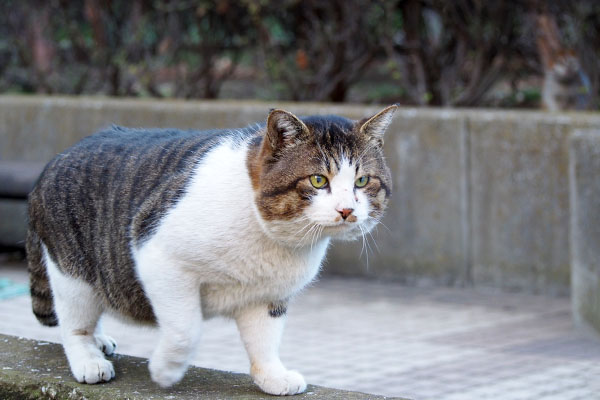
{"points": [[39, 286]]}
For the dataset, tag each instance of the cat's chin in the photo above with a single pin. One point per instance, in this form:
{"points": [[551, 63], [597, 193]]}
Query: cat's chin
{"points": [[344, 231]]}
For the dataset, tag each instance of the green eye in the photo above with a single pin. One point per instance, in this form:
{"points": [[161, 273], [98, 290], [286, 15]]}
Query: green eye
{"points": [[318, 181], [362, 181]]}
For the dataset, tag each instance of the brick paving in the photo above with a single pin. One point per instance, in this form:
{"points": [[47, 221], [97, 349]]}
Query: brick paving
{"points": [[383, 338]]}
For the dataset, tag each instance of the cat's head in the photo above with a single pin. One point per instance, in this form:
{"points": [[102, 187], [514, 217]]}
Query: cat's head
{"points": [[320, 176]]}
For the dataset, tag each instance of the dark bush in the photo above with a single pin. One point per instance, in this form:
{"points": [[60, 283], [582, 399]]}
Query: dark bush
{"points": [[422, 52]]}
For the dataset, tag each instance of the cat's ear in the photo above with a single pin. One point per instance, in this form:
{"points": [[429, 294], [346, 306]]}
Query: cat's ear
{"points": [[284, 128], [376, 126]]}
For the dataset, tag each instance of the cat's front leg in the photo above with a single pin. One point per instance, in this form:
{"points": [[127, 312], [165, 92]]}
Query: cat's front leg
{"points": [[175, 298], [261, 328]]}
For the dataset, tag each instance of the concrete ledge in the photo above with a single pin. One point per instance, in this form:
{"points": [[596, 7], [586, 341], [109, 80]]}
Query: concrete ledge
{"points": [[584, 163], [33, 369]]}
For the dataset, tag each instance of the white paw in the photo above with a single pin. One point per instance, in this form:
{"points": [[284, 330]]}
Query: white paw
{"points": [[93, 370], [278, 381], [166, 373], [105, 343]]}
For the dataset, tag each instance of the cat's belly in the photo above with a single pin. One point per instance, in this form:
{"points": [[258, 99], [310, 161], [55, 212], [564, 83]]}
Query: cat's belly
{"points": [[265, 279], [237, 274]]}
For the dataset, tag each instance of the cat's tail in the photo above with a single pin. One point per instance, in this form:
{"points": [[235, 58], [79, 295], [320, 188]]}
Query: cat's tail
{"points": [[39, 286]]}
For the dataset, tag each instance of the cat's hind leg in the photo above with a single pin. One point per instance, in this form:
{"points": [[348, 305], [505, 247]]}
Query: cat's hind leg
{"points": [[261, 327], [78, 310], [104, 342]]}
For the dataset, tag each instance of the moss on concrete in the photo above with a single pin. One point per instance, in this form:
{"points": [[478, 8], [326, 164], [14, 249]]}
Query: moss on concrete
{"points": [[32, 370]]}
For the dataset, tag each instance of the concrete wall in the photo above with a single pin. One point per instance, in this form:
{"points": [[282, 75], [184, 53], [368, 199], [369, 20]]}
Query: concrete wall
{"points": [[519, 201], [585, 227], [480, 197]]}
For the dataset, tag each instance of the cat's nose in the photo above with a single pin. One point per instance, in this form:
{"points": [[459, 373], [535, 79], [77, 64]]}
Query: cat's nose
{"points": [[345, 212]]}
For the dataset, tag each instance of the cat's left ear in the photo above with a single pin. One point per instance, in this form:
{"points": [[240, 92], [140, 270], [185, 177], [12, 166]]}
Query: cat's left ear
{"points": [[376, 126]]}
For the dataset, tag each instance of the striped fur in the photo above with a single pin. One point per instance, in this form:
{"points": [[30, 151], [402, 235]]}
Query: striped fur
{"points": [[41, 295], [105, 194]]}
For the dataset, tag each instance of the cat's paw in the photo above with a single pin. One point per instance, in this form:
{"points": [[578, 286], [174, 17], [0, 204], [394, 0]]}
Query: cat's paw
{"points": [[105, 343], [93, 370], [278, 381], [166, 373]]}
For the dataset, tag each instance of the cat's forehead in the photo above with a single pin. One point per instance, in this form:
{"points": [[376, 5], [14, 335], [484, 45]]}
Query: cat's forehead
{"points": [[336, 139], [331, 131], [325, 123]]}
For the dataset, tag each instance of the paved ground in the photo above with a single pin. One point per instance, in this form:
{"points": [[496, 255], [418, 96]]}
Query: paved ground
{"points": [[387, 339]]}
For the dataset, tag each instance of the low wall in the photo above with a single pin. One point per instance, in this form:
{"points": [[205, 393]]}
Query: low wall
{"points": [[33, 370], [480, 197], [585, 227]]}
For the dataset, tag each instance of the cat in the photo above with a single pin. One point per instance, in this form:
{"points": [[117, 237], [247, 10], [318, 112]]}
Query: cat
{"points": [[566, 85], [171, 227]]}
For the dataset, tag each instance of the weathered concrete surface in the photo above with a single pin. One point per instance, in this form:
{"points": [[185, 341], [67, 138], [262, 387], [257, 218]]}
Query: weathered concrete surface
{"points": [[584, 163], [520, 203], [33, 369]]}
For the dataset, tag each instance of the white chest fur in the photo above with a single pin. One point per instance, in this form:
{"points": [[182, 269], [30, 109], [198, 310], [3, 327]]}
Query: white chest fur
{"points": [[213, 237]]}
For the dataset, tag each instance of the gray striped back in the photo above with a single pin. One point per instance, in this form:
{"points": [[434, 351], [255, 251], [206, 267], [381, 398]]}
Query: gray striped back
{"points": [[107, 193]]}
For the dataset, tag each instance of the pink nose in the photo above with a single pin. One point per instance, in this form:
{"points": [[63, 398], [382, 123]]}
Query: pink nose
{"points": [[345, 212]]}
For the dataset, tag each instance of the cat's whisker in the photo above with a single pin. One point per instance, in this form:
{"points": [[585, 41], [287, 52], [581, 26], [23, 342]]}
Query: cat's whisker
{"points": [[366, 248], [311, 232], [315, 236], [303, 218], [378, 222], [303, 236], [304, 227], [369, 248], [363, 241], [321, 231], [300, 242], [374, 241]]}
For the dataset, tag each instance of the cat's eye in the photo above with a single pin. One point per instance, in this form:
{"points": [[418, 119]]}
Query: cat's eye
{"points": [[362, 181], [318, 181]]}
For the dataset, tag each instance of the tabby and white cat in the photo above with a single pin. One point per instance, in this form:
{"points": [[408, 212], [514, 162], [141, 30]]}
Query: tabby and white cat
{"points": [[170, 227]]}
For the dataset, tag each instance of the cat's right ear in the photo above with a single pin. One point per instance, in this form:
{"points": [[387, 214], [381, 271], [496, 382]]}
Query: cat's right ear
{"points": [[284, 129]]}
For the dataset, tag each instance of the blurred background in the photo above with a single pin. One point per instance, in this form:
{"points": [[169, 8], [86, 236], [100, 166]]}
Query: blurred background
{"points": [[464, 53], [482, 282]]}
